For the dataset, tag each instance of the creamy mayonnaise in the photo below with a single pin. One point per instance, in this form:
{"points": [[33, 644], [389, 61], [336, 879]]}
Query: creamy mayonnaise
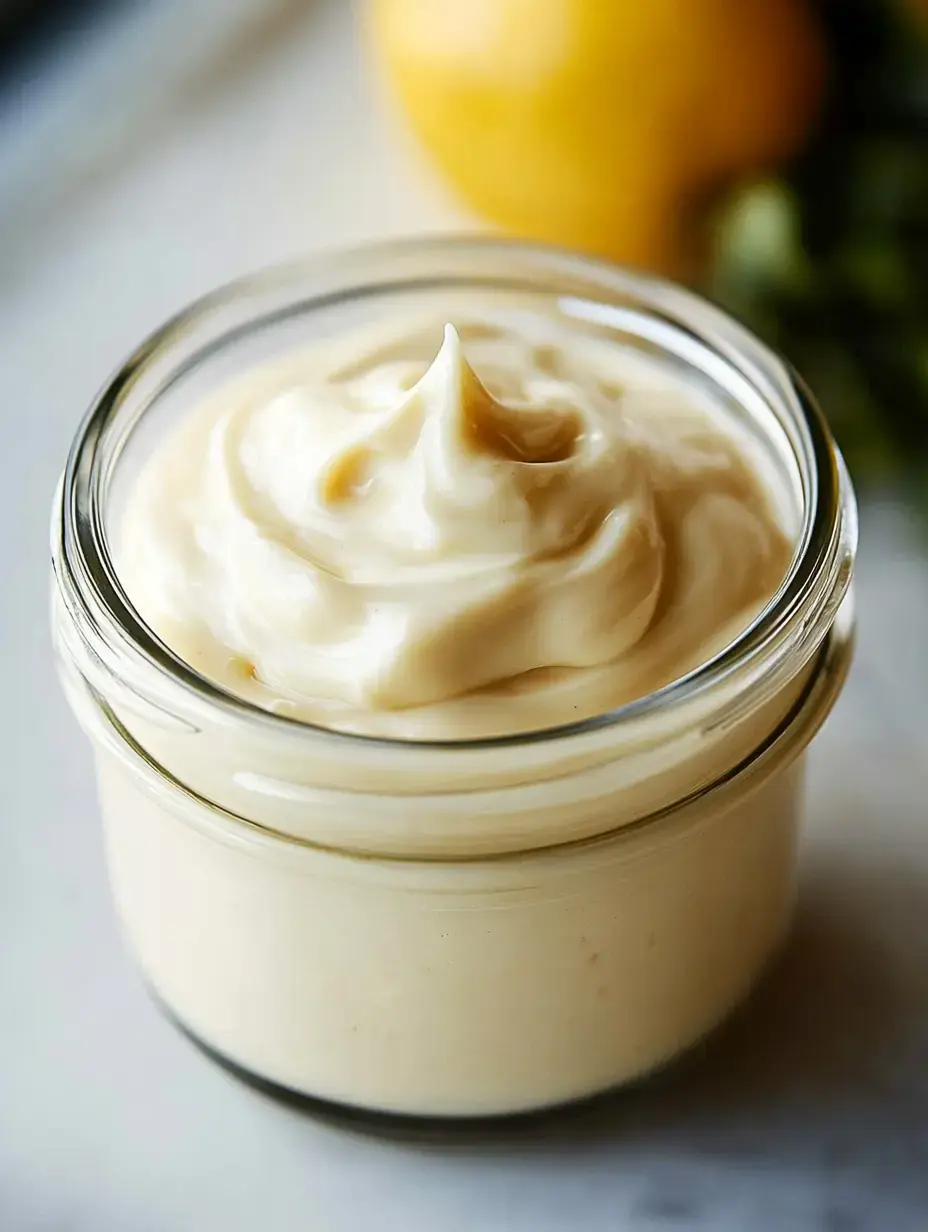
{"points": [[577, 495], [511, 533]]}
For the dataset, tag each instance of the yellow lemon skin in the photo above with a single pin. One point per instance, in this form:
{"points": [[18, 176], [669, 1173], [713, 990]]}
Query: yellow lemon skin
{"points": [[603, 125]]}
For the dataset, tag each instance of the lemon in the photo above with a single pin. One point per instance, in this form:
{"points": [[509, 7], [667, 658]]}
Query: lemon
{"points": [[603, 125]]}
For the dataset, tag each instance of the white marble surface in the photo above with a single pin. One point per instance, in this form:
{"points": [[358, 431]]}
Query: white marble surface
{"points": [[809, 1112]]}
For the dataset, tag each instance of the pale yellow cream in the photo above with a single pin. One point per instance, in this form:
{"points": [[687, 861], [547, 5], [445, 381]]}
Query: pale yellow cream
{"points": [[512, 526], [379, 543]]}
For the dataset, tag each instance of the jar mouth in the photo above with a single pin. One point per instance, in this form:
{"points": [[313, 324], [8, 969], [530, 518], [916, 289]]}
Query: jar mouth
{"points": [[802, 607]]}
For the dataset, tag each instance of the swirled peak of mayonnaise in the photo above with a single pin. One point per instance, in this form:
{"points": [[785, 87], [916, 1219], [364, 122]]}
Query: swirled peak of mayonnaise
{"points": [[436, 538]]}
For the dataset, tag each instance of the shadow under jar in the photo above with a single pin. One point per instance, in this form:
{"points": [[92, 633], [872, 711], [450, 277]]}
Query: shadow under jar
{"points": [[452, 929]]}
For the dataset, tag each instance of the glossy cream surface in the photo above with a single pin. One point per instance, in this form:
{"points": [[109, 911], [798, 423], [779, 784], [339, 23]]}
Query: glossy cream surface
{"points": [[444, 533]]}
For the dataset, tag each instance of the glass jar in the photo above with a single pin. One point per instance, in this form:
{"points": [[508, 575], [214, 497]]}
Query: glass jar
{"points": [[468, 928]]}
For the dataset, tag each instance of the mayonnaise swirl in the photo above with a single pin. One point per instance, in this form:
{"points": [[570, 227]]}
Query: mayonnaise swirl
{"points": [[411, 548]]}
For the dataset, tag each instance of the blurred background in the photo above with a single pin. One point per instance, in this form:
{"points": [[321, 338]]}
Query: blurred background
{"points": [[771, 153]]}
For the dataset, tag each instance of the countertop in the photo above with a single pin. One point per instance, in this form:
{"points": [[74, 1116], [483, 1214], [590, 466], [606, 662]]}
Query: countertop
{"points": [[246, 133]]}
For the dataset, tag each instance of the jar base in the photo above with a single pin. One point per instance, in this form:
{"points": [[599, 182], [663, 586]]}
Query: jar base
{"points": [[408, 1126], [424, 1127]]}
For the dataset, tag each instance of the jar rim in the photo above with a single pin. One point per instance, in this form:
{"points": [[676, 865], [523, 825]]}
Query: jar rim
{"points": [[813, 586]]}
